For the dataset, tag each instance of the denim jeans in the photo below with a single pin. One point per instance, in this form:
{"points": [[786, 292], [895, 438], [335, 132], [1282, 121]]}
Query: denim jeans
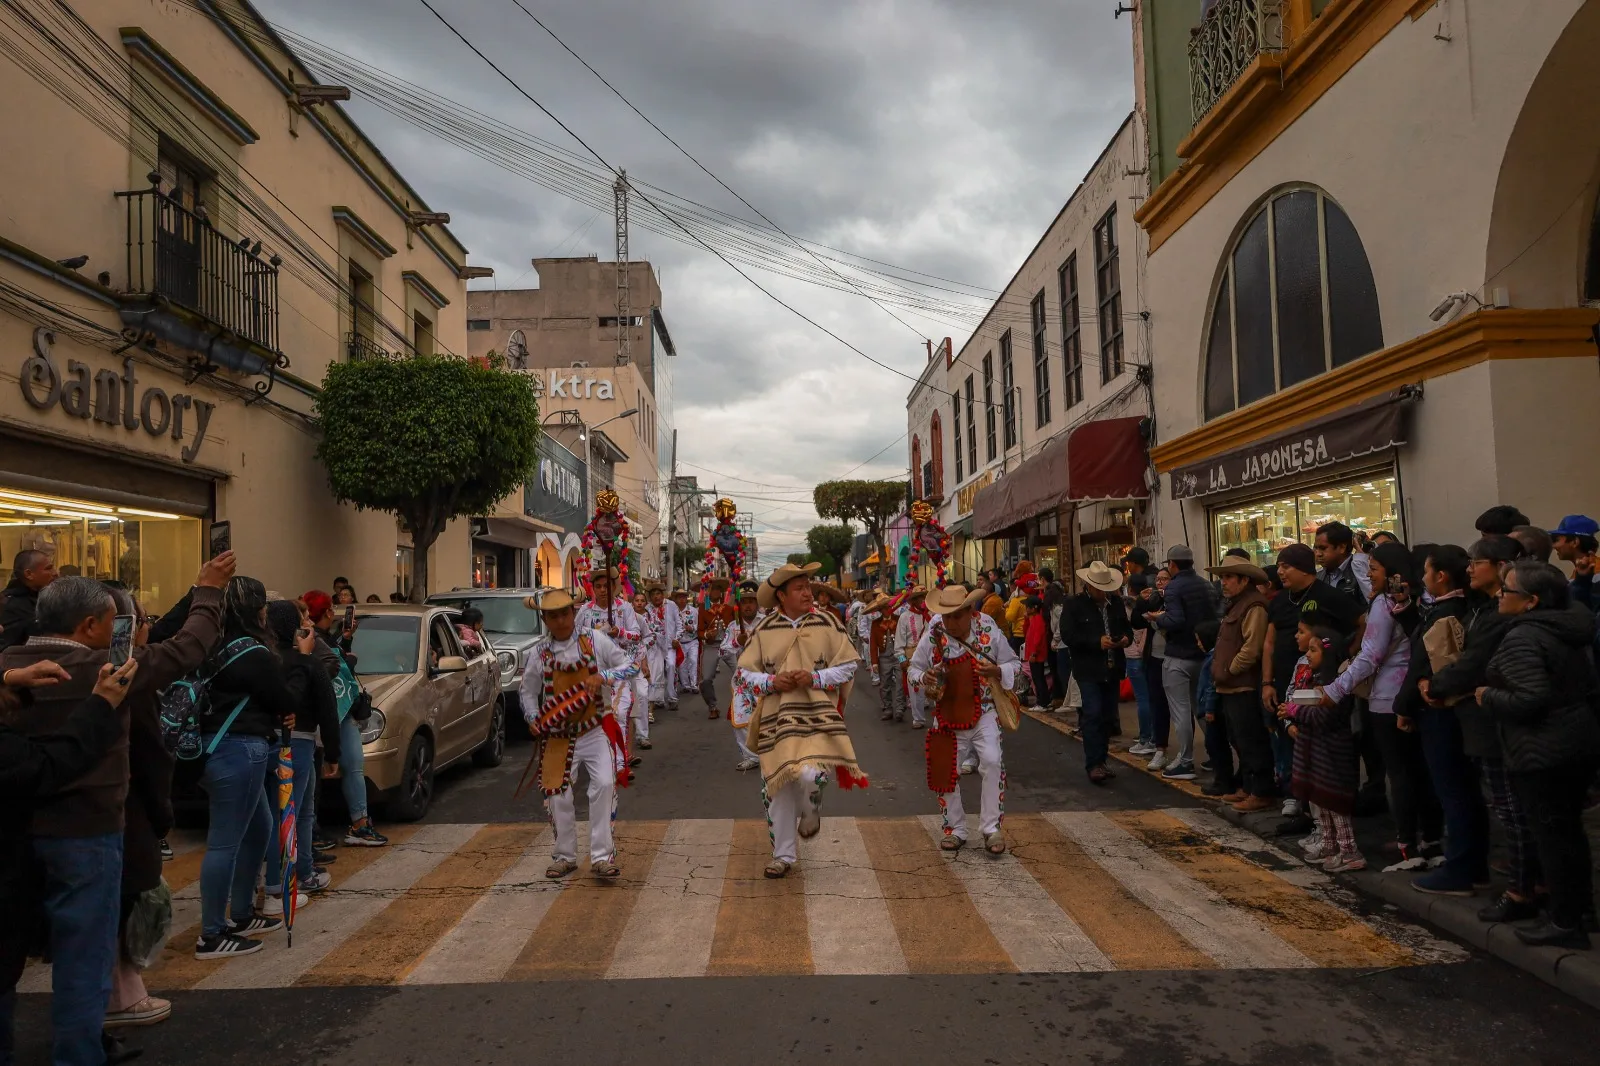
{"points": [[305, 770], [1455, 780], [83, 900], [1160, 715], [1141, 698], [1099, 700], [353, 769], [241, 827]]}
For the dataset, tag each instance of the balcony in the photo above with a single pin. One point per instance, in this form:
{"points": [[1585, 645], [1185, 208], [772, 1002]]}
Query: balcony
{"points": [[1224, 45], [176, 257], [359, 346]]}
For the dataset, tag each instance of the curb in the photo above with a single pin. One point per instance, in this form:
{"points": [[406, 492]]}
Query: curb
{"points": [[1577, 973]]}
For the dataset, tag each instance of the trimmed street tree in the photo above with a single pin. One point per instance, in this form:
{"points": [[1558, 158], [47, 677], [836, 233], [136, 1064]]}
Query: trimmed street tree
{"points": [[830, 544], [872, 503], [427, 439]]}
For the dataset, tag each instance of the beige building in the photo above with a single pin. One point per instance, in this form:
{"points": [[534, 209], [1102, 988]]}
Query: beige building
{"points": [[190, 233], [1374, 263], [563, 334]]}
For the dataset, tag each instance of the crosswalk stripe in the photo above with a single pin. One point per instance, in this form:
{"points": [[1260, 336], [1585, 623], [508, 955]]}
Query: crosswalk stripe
{"points": [[1038, 935], [1233, 938], [1131, 934], [1324, 934], [396, 938], [674, 922], [482, 946], [178, 969], [761, 923], [339, 914], [580, 931], [851, 931], [939, 928]]}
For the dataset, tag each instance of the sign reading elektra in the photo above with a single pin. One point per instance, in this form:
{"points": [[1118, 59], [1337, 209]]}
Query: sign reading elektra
{"points": [[566, 384]]}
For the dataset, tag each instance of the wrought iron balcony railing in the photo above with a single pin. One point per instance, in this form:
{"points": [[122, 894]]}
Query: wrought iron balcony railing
{"points": [[176, 254], [1233, 34], [360, 346]]}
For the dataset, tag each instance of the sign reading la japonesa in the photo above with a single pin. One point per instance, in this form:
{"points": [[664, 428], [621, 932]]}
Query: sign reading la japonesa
{"points": [[1349, 434]]}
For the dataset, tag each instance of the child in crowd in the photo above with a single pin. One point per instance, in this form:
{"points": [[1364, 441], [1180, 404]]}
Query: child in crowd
{"points": [[471, 630], [1036, 648], [1326, 772]]}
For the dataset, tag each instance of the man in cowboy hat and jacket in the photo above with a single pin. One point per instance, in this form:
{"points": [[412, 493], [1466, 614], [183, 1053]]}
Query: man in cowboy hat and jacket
{"points": [[1236, 672], [1097, 620], [962, 654], [885, 614], [794, 678], [713, 616]]}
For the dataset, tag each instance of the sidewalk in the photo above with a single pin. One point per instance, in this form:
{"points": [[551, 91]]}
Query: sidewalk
{"points": [[1576, 973]]}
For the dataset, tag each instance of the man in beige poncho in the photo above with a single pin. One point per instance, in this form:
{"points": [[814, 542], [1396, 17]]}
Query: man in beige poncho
{"points": [[793, 680]]}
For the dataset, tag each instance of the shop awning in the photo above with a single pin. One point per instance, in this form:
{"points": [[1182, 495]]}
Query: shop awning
{"points": [[961, 527], [1107, 460], [511, 532], [1037, 486], [1364, 429]]}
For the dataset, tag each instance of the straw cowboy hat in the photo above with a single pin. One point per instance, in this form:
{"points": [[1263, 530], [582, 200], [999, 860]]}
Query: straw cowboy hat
{"points": [[878, 603], [1098, 575], [767, 594], [610, 573], [549, 600], [654, 587], [1242, 568], [953, 598], [916, 591]]}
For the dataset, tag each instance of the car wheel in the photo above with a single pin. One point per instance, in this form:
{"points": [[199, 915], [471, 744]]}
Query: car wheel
{"points": [[493, 747], [415, 793]]}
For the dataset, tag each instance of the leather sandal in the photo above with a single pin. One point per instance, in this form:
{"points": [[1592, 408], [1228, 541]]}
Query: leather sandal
{"points": [[776, 868], [995, 844], [952, 843], [605, 870], [559, 869]]}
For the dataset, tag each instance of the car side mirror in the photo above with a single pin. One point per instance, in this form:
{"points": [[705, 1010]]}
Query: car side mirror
{"points": [[451, 664]]}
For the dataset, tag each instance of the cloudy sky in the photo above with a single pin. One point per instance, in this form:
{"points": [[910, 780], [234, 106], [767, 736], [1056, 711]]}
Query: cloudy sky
{"points": [[937, 135]]}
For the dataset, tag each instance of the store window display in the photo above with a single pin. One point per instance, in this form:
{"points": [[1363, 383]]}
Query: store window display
{"points": [[1264, 527]]}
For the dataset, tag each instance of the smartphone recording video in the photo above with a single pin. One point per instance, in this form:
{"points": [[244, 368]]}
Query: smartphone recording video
{"points": [[349, 616], [221, 538], [122, 627]]}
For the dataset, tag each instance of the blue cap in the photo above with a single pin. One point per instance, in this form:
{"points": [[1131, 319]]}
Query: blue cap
{"points": [[1576, 525]]}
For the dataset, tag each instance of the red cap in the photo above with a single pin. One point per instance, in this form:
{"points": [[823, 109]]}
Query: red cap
{"points": [[318, 604]]}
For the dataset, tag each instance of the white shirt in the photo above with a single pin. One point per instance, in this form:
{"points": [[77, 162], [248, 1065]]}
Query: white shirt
{"points": [[733, 639], [613, 662], [630, 631], [689, 623], [908, 632], [983, 629]]}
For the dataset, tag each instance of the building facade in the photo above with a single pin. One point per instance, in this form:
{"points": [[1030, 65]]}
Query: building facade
{"points": [[564, 334], [1374, 265], [1030, 435], [209, 234]]}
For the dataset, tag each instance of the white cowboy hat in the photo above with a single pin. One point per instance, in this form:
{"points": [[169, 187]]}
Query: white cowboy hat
{"points": [[953, 598], [767, 594], [1098, 575]]}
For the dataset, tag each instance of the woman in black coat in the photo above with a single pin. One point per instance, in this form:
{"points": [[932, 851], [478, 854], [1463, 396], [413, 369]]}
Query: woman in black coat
{"points": [[1541, 691]]}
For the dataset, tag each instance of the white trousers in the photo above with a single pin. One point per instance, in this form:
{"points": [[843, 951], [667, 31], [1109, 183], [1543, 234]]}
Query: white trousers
{"points": [[689, 671], [592, 755], [640, 711], [658, 675], [744, 749], [919, 706], [669, 672], [784, 810], [983, 741]]}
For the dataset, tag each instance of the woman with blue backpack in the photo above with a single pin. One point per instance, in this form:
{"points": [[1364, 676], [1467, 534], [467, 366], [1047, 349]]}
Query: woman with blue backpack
{"points": [[246, 707]]}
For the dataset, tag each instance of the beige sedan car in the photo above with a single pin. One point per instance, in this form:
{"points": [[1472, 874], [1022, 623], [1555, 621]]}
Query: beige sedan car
{"points": [[435, 702]]}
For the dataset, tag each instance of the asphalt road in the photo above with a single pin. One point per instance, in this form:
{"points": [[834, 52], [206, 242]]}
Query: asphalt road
{"points": [[1445, 1004]]}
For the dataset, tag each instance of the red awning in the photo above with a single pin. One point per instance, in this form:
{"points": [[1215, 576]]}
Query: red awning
{"points": [[1107, 460]]}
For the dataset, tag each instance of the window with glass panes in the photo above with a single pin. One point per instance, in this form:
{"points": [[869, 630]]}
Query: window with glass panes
{"points": [[972, 430], [1108, 295], [988, 406], [1296, 299], [1071, 335], [955, 420], [1041, 366], [1368, 503], [1008, 380]]}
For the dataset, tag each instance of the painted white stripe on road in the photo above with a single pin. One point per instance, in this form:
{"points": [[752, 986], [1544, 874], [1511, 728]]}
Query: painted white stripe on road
{"points": [[851, 930], [674, 919], [1230, 936], [1245, 843], [1030, 925], [340, 913], [490, 936]]}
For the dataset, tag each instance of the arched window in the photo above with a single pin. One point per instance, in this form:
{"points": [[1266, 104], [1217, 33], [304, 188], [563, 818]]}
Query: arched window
{"points": [[916, 466], [1296, 299], [936, 456]]}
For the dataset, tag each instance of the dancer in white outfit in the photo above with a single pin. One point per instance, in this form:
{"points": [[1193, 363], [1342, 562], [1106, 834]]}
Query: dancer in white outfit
{"points": [[688, 641], [733, 642], [908, 631], [617, 619]]}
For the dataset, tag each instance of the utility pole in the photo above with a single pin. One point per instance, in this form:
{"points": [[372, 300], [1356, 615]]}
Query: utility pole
{"points": [[672, 520], [619, 193]]}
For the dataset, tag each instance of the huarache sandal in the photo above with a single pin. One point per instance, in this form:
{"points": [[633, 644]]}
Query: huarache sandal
{"points": [[995, 844], [606, 871], [810, 824], [952, 843], [776, 868], [559, 869]]}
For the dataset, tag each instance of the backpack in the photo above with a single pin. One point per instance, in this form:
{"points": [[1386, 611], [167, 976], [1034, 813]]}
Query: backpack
{"points": [[353, 700], [186, 702]]}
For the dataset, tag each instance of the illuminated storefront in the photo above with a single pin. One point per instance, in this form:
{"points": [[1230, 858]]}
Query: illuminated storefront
{"points": [[1264, 527]]}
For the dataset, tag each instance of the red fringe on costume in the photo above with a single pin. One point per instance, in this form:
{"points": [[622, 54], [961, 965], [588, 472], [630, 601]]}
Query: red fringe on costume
{"points": [[613, 730]]}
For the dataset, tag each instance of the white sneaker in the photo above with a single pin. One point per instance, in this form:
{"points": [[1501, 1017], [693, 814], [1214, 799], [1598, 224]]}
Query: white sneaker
{"points": [[274, 904], [1291, 808], [1307, 843], [1158, 763], [969, 768], [1141, 748]]}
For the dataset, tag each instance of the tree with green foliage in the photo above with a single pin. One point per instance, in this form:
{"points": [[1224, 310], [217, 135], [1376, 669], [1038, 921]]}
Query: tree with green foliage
{"points": [[427, 439], [872, 503], [830, 544]]}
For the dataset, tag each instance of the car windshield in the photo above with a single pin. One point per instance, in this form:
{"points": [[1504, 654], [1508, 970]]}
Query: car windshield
{"points": [[385, 644], [501, 614]]}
